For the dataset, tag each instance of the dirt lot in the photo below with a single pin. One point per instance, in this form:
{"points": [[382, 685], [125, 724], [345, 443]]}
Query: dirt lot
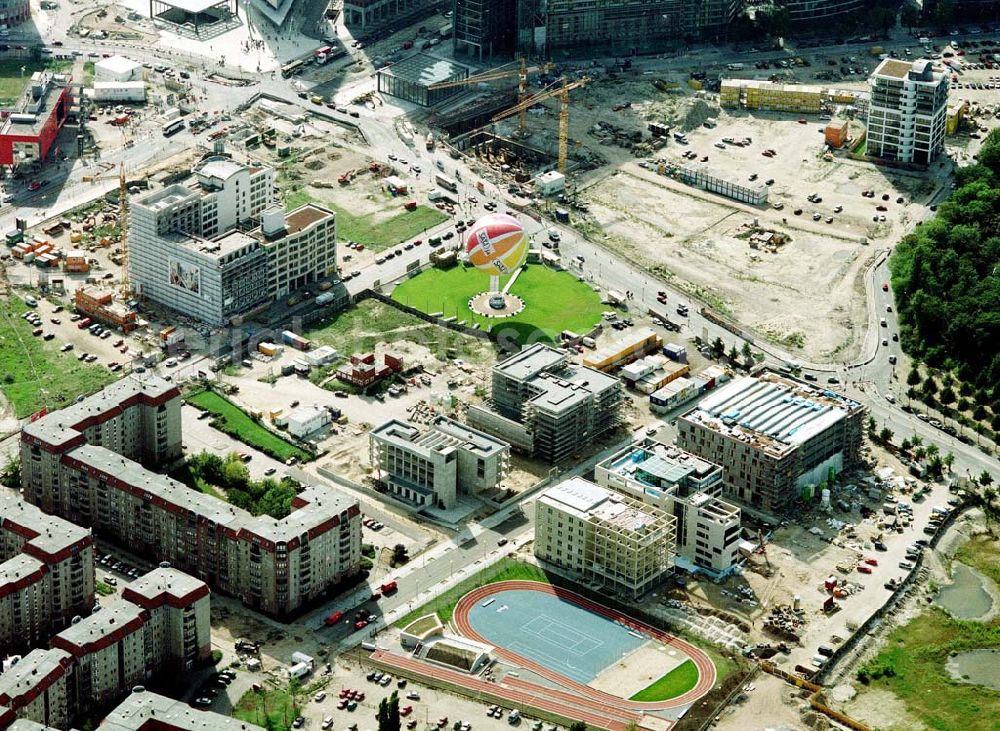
{"points": [[806, 295]]}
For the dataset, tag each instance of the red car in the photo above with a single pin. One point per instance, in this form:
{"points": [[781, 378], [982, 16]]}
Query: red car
{"points": [[862, 569], [361, 624], [344, 691], [406, 710], [342, 704], [871, 561], [34, 185]]}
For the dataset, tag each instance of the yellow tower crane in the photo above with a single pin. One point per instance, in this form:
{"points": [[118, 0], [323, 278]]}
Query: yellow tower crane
{"points": [[126, 289], [552, 91], [521, 71]]}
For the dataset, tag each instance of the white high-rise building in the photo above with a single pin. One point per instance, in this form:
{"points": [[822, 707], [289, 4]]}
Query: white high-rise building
{"points": [[907, 112]]}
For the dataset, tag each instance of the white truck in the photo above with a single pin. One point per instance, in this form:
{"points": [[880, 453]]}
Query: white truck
{"points": [[734, 66]]}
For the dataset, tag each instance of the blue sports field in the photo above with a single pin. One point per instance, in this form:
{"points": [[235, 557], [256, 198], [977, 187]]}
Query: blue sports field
{"points": [[558, 634]]}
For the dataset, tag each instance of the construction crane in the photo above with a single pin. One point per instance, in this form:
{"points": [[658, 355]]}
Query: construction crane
{"points": [[562, 92], [126, 290], [521, 71]]}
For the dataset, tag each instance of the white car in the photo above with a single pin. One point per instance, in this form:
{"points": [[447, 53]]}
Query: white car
{"points": [[170, 362], [327, 722]]}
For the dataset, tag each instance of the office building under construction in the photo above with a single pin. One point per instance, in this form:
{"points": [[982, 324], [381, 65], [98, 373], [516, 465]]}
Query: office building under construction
{"points": [[544, 405]]}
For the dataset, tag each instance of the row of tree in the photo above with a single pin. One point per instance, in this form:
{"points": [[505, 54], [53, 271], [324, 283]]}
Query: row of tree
{"points": [[946, 277], [259, 497]]}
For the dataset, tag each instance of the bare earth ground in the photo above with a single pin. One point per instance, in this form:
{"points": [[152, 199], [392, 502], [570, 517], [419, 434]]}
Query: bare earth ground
{"points": [[638, 670], [808, 295]]}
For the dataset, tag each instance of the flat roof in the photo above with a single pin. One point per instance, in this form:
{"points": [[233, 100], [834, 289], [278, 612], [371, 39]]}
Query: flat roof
{"points": [[161, 580], [117, 64], [563, 389], [194, 6], [38, 667], [298, 220], [142, 710], [443, 434], [105, 623], [587, 501], [894, 68], [52, 534], [773, 412], [425, 70], [530, 362]]}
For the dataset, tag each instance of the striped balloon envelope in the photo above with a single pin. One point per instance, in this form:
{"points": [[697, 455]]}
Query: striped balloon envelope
{"points": [[496, 244]]}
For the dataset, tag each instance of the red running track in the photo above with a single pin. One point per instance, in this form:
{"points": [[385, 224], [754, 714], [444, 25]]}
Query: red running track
{"points": [[706, 669]]}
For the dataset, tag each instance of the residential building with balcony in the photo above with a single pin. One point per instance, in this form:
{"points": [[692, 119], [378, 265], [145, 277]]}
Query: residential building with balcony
{"points": [[37, 689], [46, 574], [776, 438], [605, 538], [544, 405], [437, 465], [81, 463], [907, 112], [708, 528]]}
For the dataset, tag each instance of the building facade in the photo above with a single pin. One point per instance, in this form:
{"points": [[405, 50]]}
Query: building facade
{"points": [[14, 12], [46, 574], [435, 466], [776, 439], [907, 113], [84, 463], [28, 132], [484, 29], [811, 11], [184, 252], [301, 247], [37, 689], [603, 537], [547, 27], [362, 16], [708, 528], [544, 405]]}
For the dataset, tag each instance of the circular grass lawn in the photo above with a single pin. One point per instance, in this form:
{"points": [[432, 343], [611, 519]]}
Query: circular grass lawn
{"points": [[554, 301]]}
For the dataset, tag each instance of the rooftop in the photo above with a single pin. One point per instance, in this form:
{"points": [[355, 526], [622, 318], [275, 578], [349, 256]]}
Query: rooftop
{"points": [[587, 501], [298, 220], [143, 711], [163, 584], [568, 387], [774, 413], [530, 362], [47, 535], [104, 627], [60, 427], [117, 65], [37, 669], [442, 435], [425, 70], [34, 108]]}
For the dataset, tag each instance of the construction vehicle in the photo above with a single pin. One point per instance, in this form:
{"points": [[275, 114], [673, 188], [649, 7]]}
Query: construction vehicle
{"points": [[559, 89], [521, 71], [347, 177]]}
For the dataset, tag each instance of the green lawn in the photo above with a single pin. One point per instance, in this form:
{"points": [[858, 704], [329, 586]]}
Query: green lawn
{"points": [[33, 373], [555, 301], [274, 703], [912, 663], [371, 322], [12, 79], [374, 230], [677, 682], [237, 423], [104, 589], [504, 570], [88, 73]]}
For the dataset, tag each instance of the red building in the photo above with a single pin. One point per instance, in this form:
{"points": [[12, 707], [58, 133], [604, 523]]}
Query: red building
{"points": [[362, 371], [28, 130]]}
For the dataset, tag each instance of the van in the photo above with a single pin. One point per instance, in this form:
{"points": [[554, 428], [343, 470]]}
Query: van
{"points": [[388, 587], [514, 716], [110, 580]]}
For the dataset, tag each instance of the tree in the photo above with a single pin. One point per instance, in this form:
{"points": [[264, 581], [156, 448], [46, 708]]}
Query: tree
{"points": [[930, 386], [979, 413], [905, 445], [578, 726], [913, 377], [388, 713], [947, 396], [871, 424], [885, 436], [949, 460], [916, 440], [10, 475], [985, 479], [965, 389], [909, 17], [718, 347], [747, 354], [399, 554], [734, 354], [931, 450]]}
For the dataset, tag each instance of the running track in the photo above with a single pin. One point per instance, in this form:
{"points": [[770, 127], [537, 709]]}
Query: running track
{"points": [[706, 669]]}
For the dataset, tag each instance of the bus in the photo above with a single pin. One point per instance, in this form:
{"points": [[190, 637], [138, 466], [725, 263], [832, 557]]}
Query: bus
{"points": [[173, 127], [446, 182], [290, 68]]}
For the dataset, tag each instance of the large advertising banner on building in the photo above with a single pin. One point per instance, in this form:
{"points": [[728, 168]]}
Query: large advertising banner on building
{"points": [[184, 275]]}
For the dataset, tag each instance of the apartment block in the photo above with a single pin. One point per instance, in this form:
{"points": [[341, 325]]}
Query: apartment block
{"points": [[46, 574], [436, 465], [907, 112], [606, 539], [81, 463], [812, 11], [37, 689], [689, 488], [484, 28], [774, 437], [145, 711], [547, 406]]}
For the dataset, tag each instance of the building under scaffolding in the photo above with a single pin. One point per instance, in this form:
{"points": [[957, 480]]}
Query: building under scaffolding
{"points": [[604, 537], [547, 406]]}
